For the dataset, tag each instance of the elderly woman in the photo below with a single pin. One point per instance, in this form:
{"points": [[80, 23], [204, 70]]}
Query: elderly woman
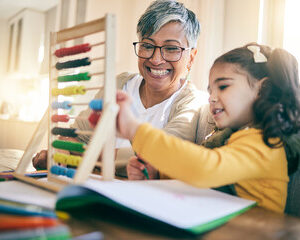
{"points": [[161, 91]]}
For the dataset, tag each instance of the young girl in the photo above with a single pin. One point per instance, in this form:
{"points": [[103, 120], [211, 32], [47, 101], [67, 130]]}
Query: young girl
{"points": [[254, 92]]}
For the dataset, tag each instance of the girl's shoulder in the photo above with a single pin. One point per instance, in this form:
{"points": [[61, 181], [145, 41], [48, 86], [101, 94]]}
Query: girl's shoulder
{"points": [[219, 138], [250, 136], [248, 132]]}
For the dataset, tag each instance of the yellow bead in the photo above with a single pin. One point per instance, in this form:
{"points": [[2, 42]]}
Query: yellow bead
{"points": [[81, 90]]}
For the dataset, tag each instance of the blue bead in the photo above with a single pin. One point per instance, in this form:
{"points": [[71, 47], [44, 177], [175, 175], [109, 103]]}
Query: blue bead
{"points": [[57, 170], [71, 172], [54, 170], [96, 104], [64, 105], [67, 105]]}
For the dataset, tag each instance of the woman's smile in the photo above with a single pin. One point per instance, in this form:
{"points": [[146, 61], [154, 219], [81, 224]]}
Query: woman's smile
{"points": [[158, 73]]}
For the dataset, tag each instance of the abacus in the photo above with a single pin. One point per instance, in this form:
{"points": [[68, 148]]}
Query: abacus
{"points": [[103, 136]]}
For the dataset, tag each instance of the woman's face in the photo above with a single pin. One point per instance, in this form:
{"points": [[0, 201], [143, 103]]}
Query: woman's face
{"points": [[159, 74]]}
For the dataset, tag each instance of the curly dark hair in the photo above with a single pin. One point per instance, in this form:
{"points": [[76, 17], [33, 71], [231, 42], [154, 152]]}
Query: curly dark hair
{"points": [[277, 108]]}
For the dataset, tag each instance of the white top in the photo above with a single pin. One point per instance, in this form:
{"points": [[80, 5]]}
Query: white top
{"points": [[157, 115]]}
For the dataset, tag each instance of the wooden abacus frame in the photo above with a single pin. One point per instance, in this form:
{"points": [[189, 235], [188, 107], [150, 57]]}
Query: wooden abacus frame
{"points": [[103, 139]]}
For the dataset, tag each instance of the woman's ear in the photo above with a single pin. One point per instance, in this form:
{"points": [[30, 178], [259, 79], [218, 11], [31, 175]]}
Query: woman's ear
{"points": [[193, 53]]}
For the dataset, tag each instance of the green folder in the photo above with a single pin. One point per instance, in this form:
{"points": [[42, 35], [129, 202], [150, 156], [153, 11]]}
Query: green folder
{"points": [[168, 202]]}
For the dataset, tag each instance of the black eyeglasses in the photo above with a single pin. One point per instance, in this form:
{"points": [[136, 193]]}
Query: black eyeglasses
{"points": [[169, 53]]}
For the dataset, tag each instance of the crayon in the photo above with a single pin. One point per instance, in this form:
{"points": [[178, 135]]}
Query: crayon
{"points": [[8, 222]]}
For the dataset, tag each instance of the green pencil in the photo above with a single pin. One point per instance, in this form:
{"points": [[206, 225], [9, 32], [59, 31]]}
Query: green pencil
{"points": [[145, 171]]}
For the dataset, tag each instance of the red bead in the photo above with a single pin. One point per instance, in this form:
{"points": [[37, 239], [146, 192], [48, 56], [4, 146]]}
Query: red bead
{"points": [[82, 48], [60, 118], [94, 117]]}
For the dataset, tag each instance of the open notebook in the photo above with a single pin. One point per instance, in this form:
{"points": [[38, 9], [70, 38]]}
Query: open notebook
{"points": [[170, 201], [166, 201]]}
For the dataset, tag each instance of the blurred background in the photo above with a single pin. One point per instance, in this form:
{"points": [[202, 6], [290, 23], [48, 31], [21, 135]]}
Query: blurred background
{"points": [[25, 27]]}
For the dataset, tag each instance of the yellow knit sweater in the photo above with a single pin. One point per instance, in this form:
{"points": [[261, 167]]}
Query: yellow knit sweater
{"points": [[258, 171]]}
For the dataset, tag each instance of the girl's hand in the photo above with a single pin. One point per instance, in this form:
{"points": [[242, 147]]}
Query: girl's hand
{"points": [[127, 124], [135, 170]]}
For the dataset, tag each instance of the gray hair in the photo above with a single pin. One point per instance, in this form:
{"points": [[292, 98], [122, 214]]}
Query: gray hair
{"points": [[161, 12]]}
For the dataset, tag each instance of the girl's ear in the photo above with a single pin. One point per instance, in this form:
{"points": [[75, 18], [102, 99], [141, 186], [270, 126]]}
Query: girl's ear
{"points": [[259, 84], [261, 81]]}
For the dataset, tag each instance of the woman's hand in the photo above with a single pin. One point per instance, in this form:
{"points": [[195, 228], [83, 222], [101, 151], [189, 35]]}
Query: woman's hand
{"points": [[39, 161], [135, 170], [127, 124]]}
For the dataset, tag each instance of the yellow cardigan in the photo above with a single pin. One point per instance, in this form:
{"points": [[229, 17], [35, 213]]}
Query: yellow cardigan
{"points": [[258, 171]]}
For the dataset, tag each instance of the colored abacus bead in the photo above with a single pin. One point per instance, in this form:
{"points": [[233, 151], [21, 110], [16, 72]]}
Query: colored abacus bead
{"points": [[80, 90], [60, 118], [63, 105], [73, 63], [66, 132], [71, 146], [60, 158], [57, 170], [76, 77], [82, 48], [70, 173], [96, 104], [65, 159], [67, 91], [94, 118]]}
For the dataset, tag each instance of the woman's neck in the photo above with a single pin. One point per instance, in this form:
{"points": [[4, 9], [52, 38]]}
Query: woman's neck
{"points": [[151, 97]]}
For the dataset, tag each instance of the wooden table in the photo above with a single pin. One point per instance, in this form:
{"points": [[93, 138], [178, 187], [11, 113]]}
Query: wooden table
{"points": [[257, 223]]}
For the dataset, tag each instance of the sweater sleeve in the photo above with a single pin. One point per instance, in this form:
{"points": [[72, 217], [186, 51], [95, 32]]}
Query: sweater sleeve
{"points": [[244, 157], [184, 115]]}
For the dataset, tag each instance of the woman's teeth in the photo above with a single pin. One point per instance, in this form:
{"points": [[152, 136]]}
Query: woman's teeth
{"points": [[159, 72]]}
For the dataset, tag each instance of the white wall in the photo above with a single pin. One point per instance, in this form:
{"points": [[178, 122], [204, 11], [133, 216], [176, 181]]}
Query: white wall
{"points": [[211, 16], [225, 24], [272, 25], [3, 46], [16, 134], [31, 38], [127, 13], [3, 41], [50, 26], [241, 22], [3, 51]]}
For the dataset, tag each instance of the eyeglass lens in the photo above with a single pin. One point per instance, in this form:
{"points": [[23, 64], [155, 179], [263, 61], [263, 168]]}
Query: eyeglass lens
{"points": [[169, 53]]}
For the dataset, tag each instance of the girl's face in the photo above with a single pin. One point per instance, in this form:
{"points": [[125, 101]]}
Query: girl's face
{"points": [[231, 97], [158, 73]]}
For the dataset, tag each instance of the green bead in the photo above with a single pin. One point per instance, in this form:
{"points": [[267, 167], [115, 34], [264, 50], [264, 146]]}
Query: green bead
{"points": [[71, 146], [77, 77]]}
